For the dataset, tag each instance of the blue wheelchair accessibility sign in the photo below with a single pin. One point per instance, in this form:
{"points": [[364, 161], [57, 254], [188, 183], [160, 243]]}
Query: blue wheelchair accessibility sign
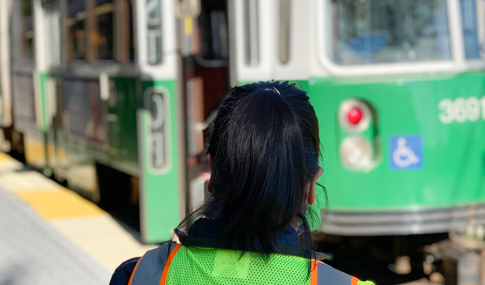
{"points": [[407, 152]]}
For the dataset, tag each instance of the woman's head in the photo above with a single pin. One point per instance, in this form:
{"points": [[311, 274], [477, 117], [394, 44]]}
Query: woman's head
{"points": [[264, 152]]}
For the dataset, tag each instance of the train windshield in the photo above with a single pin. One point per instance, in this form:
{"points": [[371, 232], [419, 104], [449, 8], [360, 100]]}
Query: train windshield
{"points": [[470, 12], [388, 31]]}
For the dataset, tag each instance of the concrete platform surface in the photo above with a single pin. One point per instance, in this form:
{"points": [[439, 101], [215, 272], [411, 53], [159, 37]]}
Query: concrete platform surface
{"points": [[33, 252], [47, 229]]}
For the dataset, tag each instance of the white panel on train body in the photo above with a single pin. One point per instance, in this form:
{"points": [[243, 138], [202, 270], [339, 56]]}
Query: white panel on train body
{"points": [[315, 68], [296, 68], [5, 80], [267, 38], [40, 41], [148, 39]]}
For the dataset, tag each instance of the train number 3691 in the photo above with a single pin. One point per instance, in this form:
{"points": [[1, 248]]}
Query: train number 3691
{"points": [[461, 110]]}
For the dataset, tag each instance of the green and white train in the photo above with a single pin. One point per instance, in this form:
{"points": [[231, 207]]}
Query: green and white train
{"points": [[127, 87]]}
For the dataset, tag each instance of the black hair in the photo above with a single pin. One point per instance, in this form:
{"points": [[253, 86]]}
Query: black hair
{"points": [[265, 148]]}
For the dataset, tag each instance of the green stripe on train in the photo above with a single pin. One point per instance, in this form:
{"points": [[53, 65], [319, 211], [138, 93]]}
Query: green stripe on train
{"points": [[160, 177]]}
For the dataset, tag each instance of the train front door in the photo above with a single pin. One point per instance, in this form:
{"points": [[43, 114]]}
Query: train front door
{"points": [[48, 68], [203, 29]]}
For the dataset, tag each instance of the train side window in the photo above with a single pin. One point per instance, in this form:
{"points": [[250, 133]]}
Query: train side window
{"points": [[284, 31], [391, 31], [75, 30], [251, 35], [469, 22], [100, 30], [27, 32], [100, 24], [213, 30]]}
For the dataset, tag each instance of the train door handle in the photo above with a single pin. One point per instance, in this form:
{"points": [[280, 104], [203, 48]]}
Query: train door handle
{"points": [[104, 86]]}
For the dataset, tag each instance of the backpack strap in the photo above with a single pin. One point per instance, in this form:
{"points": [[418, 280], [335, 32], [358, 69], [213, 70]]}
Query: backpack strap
{"points": [[153, 267]]}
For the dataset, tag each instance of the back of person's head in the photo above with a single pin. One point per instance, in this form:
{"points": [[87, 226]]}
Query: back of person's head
{"points": [[264, 151]]}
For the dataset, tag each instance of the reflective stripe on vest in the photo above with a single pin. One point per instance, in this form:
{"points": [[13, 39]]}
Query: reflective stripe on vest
{"points": [[153, 269], [154, 265], [323, 274]]}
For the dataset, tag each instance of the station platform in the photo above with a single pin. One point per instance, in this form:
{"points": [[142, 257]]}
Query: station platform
{"points": [[51, 235]]}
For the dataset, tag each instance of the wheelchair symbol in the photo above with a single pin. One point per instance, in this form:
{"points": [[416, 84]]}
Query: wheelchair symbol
{"points": [[403, 156]]}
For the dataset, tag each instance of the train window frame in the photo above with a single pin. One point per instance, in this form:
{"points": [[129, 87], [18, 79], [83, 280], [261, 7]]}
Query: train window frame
{"points": [[251, 32], [284, 31], [167, 68], [456, 62], [124, 31]]}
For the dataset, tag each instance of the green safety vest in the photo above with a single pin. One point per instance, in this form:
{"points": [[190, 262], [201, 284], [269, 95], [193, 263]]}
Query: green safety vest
{"points": [[173, 263]]}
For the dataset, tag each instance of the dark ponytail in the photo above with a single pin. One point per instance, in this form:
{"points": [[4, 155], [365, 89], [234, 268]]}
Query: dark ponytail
{"points": [[265, 149]]}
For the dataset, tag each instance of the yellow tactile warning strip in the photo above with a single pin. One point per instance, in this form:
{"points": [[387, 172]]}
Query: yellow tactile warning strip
{"points": [[55, 204], [48, 198], [80, 221], [4, 157], [13, 180]]}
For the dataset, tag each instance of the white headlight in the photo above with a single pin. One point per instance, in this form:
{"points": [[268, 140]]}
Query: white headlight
{"points": [[356, 152]]}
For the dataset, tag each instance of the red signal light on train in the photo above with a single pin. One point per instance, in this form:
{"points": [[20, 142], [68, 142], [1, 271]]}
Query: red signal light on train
{"points": [[354, 115]]}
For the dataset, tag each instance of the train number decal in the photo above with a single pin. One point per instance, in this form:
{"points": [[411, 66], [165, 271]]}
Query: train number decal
{"points": [[154, 32], [156, 102], [461, 110]]}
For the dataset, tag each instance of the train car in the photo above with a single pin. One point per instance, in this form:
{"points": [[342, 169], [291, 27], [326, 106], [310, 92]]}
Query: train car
{"points": [[115, 97], [399, 93], [364, 64], [398, 90], [398, 87]]}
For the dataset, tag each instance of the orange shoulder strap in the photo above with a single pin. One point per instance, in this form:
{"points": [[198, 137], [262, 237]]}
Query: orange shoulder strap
{"points": [[163, 280], [314, 275], [133, 273]]}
